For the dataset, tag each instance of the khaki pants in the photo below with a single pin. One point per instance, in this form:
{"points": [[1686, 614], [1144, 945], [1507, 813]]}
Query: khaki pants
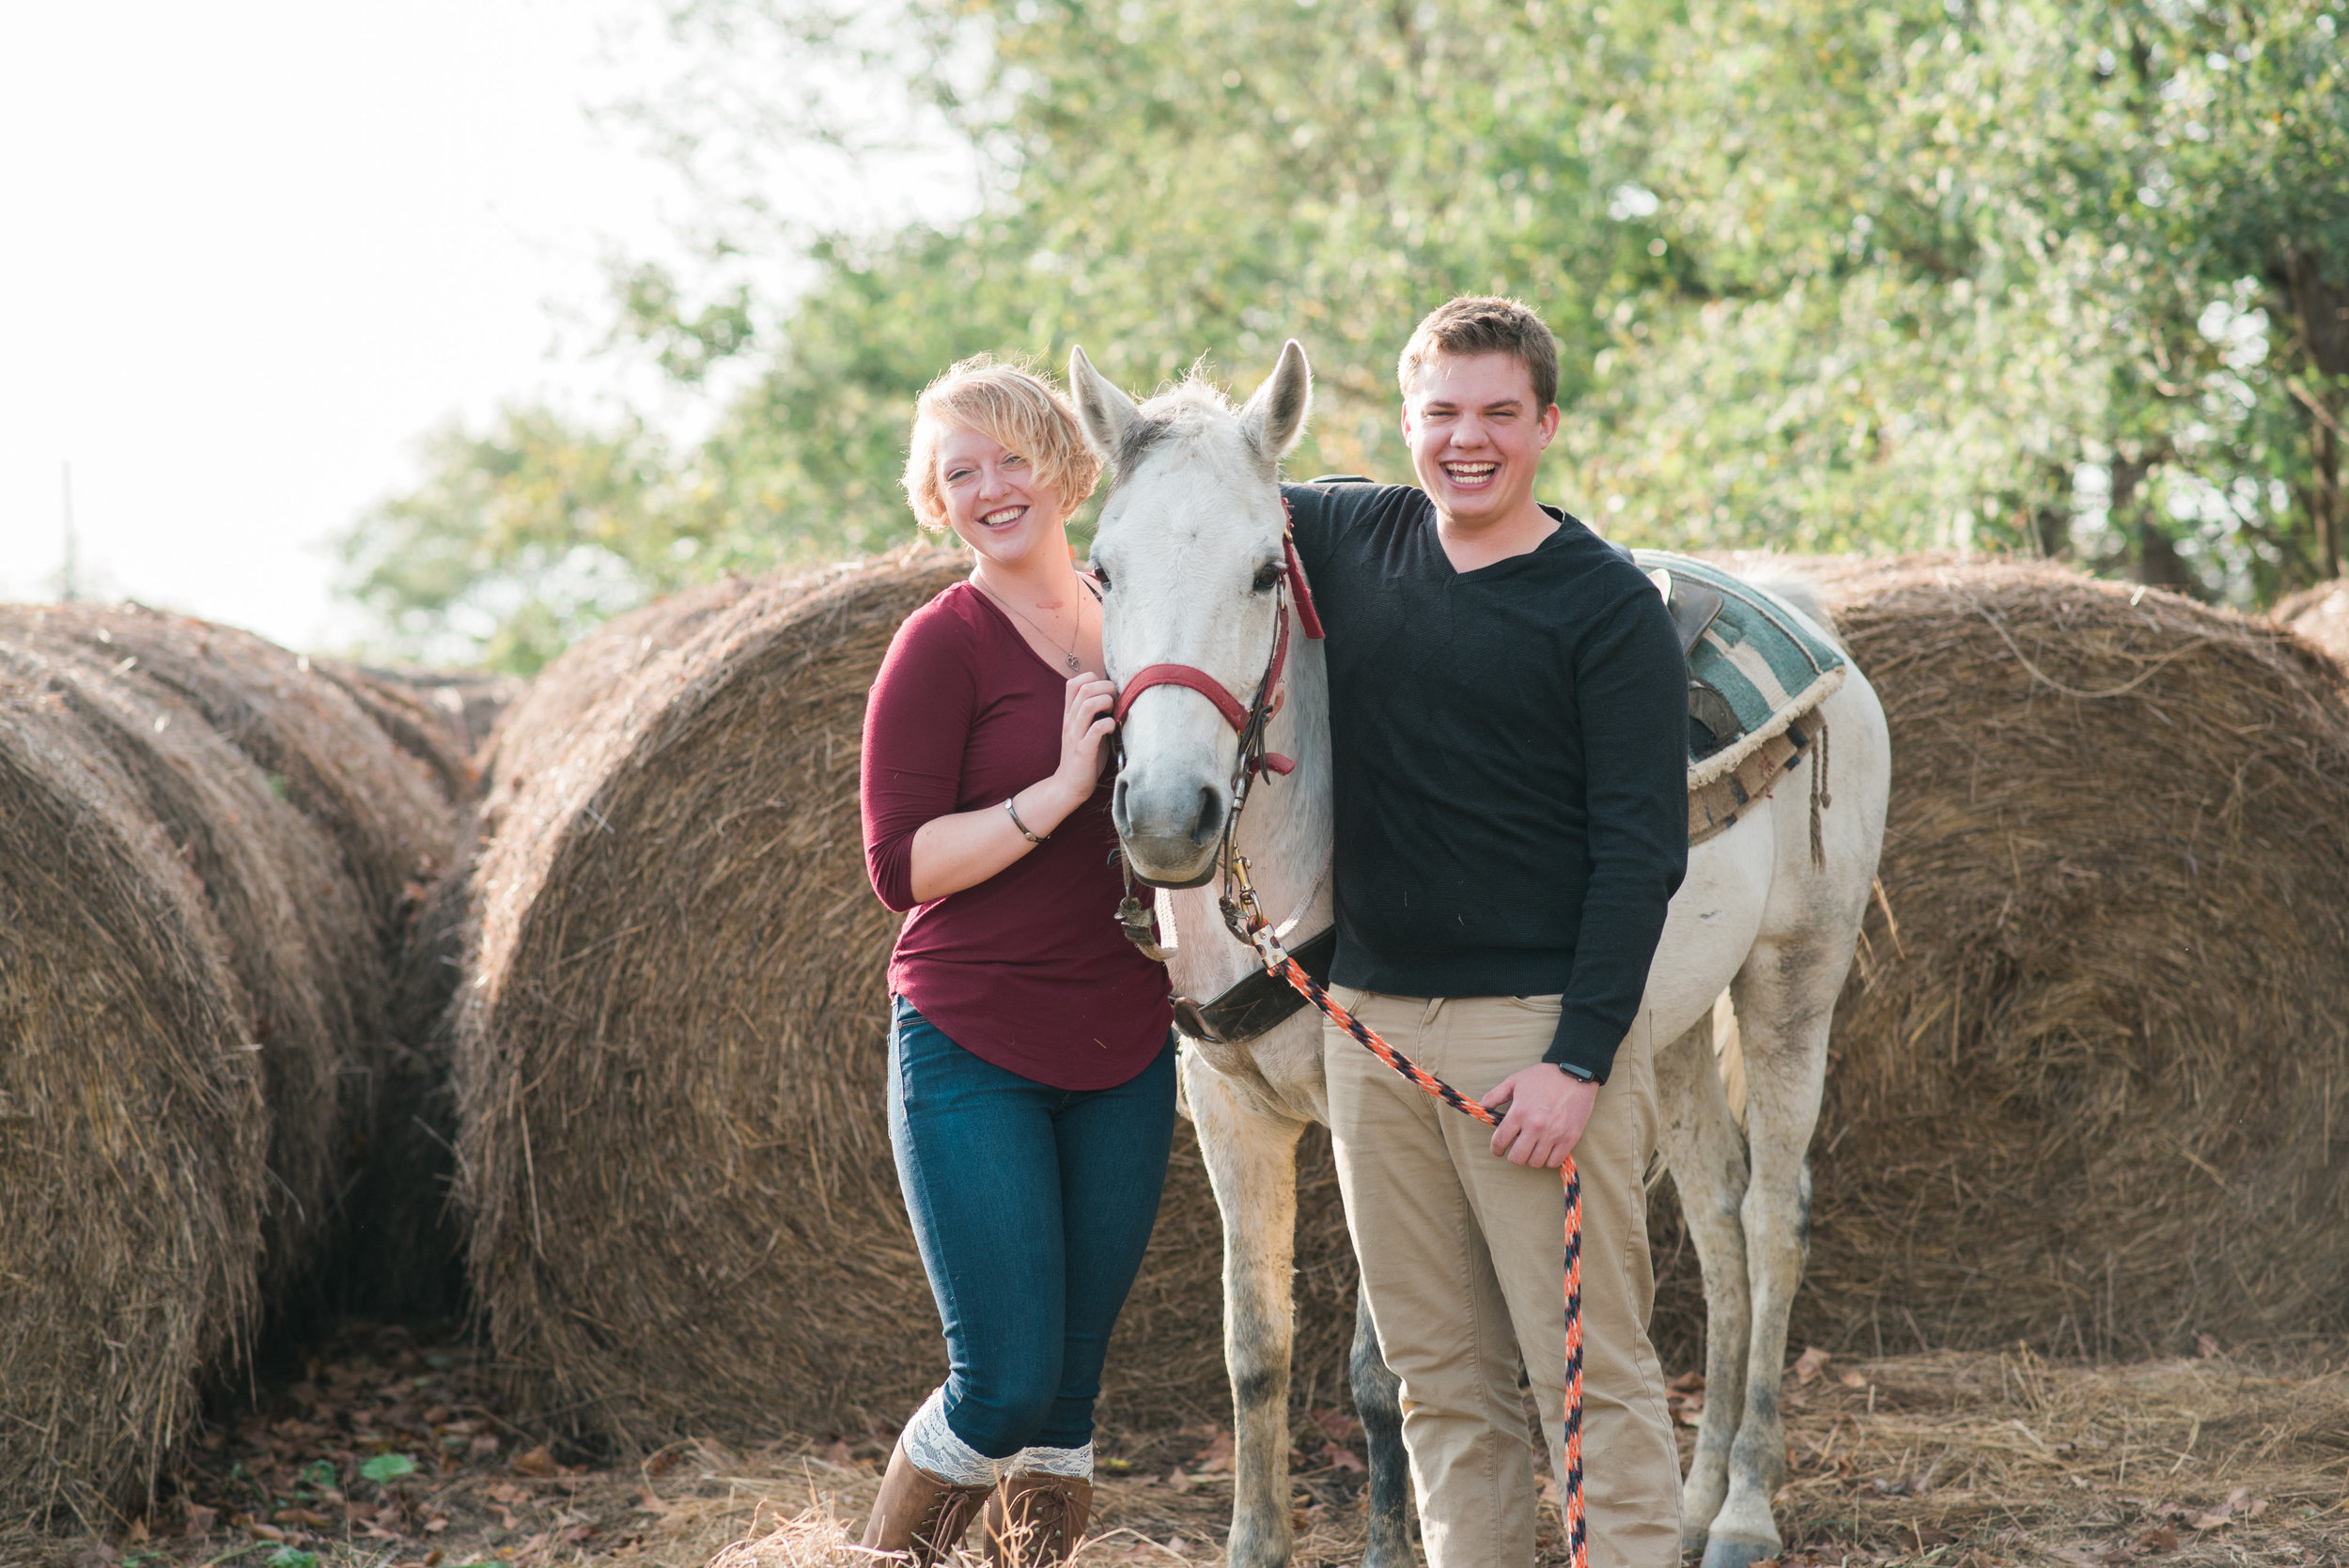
{"points": [[1462, 1257]]}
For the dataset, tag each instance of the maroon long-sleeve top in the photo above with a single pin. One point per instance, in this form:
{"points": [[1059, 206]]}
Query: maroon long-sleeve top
{"points": [[1028, 970]]}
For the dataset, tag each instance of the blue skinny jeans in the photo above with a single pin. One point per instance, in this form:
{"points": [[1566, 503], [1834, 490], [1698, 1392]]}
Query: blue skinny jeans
{"points": [[1031, 1206]]}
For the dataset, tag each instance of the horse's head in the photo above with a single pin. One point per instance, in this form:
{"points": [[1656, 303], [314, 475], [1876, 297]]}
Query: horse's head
{"points": [[1190, 550]]}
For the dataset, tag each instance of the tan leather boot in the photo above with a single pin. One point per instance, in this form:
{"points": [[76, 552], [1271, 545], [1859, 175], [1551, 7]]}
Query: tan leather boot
{"points": [[1033, 1521], [917, 1516]]}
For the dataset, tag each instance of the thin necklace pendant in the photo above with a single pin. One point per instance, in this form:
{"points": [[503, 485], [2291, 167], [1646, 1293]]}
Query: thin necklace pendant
{"points": [[1069, 654]]}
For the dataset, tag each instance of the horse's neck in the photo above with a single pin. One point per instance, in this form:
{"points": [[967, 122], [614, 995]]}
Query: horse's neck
{"points": [[1285, 833]]}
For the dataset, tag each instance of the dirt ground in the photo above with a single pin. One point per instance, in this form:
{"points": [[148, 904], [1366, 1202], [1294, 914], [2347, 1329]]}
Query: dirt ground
{"points": [[391, 1450]]}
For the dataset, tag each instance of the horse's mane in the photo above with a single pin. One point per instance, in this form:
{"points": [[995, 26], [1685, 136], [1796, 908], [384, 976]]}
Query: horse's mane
{"points": [[1185, 408]]}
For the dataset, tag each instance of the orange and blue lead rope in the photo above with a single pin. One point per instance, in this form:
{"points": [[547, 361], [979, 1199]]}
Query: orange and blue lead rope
{"points": [[1577, 1532]]}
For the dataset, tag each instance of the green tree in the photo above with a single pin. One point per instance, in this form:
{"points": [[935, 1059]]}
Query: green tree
{"points": [[1826, 273]]}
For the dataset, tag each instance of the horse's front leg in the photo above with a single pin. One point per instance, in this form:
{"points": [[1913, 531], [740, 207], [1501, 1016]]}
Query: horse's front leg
{"points": [[1251, 1163], [1785, 999], [1706, 1156], [1379, 1400]]}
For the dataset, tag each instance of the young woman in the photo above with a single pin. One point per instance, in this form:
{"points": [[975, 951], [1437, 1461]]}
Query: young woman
{"points": [[1031, 1061]]}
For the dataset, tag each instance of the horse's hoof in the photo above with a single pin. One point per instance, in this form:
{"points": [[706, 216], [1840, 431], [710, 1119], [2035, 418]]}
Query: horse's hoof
{"points": [[1738, 1554], [1693, 1546]]}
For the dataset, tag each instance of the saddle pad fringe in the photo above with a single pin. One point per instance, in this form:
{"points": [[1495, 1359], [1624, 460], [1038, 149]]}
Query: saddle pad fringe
{"points": [[1714, 807]]}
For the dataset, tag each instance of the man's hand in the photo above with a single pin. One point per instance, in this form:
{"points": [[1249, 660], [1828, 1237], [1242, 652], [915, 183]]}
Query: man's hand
{"points": [[1548, 1111]]}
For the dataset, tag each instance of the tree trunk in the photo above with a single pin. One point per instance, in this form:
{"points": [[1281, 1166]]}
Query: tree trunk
{"points": [[2320, 312], [2152, 559]]}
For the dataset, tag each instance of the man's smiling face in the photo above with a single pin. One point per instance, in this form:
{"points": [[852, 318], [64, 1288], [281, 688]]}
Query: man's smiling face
{"points": [[1477, 435]]}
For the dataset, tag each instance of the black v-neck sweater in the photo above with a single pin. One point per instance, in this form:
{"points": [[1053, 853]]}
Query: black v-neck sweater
{"points": [[1511, 763]]}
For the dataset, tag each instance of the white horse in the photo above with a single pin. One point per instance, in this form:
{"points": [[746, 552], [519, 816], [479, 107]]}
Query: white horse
{"points": [[1190, 545]]}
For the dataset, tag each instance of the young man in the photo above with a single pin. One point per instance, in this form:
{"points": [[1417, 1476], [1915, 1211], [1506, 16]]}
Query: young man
{"points": [[1509, 717]]}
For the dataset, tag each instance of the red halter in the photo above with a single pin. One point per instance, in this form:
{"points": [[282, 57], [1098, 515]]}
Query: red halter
{"points": [[1243, 720]]}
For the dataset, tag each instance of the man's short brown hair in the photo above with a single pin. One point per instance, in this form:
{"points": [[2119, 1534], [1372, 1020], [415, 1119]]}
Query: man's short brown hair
{"points": [[1484, 324]]}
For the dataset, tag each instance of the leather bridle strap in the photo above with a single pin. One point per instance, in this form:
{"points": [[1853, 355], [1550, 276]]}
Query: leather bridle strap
{"points": [[1250, 717], [1182, 674]]}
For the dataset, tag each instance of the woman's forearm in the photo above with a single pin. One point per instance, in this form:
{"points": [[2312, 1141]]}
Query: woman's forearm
{"points": [[952, 853]]}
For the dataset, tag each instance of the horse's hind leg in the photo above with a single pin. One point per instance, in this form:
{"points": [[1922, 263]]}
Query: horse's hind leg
{"points": [[1785, 999], [1706, 1155], [1251, 1164], [1379, 1400]]}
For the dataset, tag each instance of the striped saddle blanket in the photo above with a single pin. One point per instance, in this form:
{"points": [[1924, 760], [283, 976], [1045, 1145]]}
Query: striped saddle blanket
{"points": [[1756, 677]]}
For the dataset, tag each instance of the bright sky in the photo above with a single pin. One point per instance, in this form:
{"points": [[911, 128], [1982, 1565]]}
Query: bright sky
{"points": [[249, 252]]}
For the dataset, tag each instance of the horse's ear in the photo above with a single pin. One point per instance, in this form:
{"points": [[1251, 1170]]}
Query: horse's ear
{"points": [[1275, 416], [1104, 413]]}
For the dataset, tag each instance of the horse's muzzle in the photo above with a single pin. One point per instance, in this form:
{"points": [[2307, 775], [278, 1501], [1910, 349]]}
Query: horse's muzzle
{"points": [[1171, 827]]}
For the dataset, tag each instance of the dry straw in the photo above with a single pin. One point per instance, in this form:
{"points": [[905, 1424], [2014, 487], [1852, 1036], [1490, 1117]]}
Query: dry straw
{"points": [[206, 867], [442, 717], [2090, 1086], [406, 1252], [2318, 615], [2088, 1093], [672, 1046]]}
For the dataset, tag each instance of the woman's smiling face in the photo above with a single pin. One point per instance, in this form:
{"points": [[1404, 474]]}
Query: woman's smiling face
{"points": [[996, 503]]}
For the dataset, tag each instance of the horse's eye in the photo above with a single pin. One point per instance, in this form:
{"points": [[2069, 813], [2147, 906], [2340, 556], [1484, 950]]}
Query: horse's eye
{"points": [[1100, 574], [1267, 576]]}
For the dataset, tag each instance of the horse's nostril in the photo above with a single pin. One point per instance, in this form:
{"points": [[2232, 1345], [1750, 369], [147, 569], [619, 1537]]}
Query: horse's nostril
{"points": [[1117, 806], [1210, 816]]}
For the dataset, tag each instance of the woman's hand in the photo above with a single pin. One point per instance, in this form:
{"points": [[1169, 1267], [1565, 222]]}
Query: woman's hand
{"points": [[952, 853], [1084, 732]]}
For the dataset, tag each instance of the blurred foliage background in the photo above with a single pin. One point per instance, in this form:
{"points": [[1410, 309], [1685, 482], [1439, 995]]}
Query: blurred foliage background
{"points": [[2061, 279]]}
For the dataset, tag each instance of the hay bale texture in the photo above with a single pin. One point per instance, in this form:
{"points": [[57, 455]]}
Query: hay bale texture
{"points": [[673, 1044], [442, 717], [2089, 1093], [209, 862], [2318, 615], [2090, 1075], [403, 1255]]}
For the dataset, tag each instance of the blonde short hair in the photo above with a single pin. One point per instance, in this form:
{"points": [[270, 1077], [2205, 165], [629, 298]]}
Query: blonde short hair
{"points": [[1009, 404]]}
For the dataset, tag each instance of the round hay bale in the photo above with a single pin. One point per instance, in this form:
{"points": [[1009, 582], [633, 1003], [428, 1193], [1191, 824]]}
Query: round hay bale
{"points": [[2318, 615], [303, 839], [442, 717], [543, 720], [2090, 1076], [133, 1126], [361, 833], [672, 1047]]}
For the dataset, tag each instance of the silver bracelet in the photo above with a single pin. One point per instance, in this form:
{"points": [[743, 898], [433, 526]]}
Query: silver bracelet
{"points": [[1032, 838]]}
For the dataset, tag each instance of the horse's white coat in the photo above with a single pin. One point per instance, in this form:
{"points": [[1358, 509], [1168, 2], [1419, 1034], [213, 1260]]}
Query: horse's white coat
{"points": [[1195, 517]]}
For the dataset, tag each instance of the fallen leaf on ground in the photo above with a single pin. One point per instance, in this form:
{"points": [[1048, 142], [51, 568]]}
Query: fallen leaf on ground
{"points": [[1811, 1364], [1216, 1457], [1336, 1425], [538, 1461], [2225, 1511], [1853, 1380], [1926, 1537]]}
